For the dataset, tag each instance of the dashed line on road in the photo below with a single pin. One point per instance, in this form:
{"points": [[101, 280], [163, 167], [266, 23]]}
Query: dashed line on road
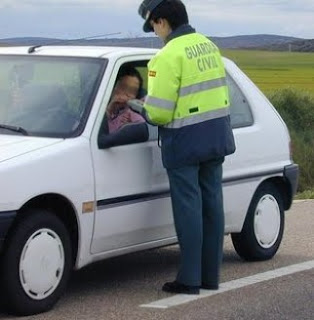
{"points": [[230, 285]]}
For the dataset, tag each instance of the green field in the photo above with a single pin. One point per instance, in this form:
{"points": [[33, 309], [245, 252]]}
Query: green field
{"points": [[275, 70]]}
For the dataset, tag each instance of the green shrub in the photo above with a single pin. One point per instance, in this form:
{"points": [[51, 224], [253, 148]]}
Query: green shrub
{"points": [[308, 194], [296, 107]]}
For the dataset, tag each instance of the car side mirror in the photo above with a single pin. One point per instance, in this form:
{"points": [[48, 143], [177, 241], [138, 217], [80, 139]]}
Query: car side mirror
{"points": [[128, 134]]}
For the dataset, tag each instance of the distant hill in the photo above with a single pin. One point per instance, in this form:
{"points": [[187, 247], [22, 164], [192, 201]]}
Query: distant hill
{"points": [[296, 46], [261, 41], [27, 41], [251, 41], [151, 42]]}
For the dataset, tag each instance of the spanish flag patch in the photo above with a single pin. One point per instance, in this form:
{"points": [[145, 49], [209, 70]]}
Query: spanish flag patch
{"points": [[152, 73]]}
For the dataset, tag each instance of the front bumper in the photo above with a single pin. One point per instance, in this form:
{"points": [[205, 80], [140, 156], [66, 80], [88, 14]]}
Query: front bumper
{"points": [[291, 175], [6, 220]]}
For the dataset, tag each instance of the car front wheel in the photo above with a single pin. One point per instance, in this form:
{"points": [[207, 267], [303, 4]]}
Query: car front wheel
{"points": [[36, 263], [263, 228]]}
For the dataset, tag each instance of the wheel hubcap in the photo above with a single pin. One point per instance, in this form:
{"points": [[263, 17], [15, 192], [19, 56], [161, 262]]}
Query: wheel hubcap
{"points": [[41, 264], [267, 221]]}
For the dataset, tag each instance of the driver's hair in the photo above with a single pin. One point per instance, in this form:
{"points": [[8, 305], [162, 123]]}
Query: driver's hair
{"points": [[129, 70]]}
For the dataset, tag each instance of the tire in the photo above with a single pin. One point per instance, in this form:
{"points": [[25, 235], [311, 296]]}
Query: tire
{"points": [[37, 263], [263, 228]]}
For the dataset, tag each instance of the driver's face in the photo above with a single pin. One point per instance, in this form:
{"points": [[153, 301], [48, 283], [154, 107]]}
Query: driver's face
{"points": [[127, 86]]}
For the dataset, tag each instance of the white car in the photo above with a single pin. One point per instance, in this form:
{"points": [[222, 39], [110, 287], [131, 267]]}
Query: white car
{"points": [[68, 198]]}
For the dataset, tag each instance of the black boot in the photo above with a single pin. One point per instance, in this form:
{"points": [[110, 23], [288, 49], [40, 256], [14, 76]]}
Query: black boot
{"points": [[209, 286], [177, 287]]}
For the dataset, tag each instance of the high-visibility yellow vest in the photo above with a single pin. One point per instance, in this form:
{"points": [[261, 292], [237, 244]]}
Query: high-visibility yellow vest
{"points": [[186, 83]]}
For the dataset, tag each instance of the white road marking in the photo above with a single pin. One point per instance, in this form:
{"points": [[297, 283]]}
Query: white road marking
{"points": [[231, 285]]}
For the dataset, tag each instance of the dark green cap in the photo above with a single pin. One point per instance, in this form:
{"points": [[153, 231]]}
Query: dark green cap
{"points": [[145, 10]]}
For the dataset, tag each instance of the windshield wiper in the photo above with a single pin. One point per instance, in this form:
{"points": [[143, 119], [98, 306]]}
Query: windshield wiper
{"points": [[13, 128]]}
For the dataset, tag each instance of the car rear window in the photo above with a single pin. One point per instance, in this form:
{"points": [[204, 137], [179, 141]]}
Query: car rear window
{"points": [[240, 110]]}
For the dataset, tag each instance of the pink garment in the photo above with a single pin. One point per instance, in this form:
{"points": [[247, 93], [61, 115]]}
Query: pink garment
{"points": [[115, 122]]}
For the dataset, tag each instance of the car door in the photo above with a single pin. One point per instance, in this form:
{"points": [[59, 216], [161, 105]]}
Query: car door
{"points": [[131, 185]]}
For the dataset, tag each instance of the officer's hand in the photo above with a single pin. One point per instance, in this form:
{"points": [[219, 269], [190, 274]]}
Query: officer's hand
{"points": [[136, 105]]}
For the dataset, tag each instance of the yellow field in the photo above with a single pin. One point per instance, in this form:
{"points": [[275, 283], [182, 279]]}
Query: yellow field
{"points": [[274, 70]]}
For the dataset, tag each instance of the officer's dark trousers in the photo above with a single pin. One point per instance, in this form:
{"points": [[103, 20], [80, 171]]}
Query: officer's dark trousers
{"points": [[196, 193]]}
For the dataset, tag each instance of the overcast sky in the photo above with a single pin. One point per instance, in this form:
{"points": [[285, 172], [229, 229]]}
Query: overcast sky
{"points": [[69, 19]]}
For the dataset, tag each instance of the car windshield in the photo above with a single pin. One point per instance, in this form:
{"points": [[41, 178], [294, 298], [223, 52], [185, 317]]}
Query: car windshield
{"points": [[47, 96]]}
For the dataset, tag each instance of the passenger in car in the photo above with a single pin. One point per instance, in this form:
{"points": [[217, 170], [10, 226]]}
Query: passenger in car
{"points": [[129, 84]]}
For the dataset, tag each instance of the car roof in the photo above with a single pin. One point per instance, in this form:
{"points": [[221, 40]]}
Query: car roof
{"points": [[86, 51], [77, 51]]}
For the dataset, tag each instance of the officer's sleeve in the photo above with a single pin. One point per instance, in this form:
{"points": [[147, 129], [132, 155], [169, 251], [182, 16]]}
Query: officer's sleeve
{"points": [[163, 87]]}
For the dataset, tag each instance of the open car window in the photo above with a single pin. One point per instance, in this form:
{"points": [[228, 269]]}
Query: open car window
{"points": [[120, 124]]}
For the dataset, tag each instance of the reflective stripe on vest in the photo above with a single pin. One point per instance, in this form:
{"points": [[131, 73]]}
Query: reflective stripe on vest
{"points": [[198, 118], [206, 85], [160, 103]]}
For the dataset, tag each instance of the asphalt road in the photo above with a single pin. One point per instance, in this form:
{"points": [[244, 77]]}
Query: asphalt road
{"points": [[115, 289]]}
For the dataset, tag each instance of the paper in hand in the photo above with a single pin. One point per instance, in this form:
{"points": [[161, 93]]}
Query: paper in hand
{"points": [[136, 105]]}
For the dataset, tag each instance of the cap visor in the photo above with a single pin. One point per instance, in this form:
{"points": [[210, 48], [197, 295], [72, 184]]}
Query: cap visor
{"points": [[147, 27]]}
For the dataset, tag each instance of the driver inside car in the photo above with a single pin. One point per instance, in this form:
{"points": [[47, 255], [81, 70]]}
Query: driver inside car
{"points": [[129, 84], [121, 125]]}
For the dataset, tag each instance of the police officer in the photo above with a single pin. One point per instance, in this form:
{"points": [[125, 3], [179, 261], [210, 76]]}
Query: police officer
{"points": [[188, 99]]}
